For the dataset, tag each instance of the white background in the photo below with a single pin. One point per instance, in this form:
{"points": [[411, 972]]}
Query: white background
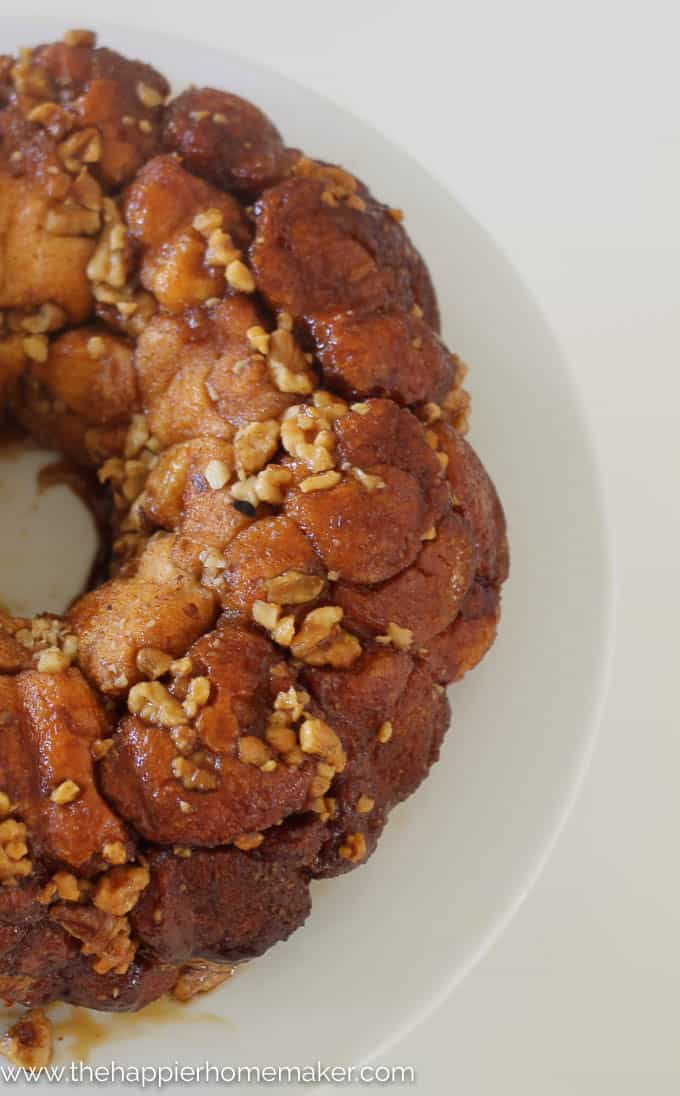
{"points": [[558, 126]]}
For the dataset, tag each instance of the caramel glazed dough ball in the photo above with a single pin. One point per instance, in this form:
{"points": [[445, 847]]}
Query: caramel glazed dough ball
{"points": [[243, 344]]}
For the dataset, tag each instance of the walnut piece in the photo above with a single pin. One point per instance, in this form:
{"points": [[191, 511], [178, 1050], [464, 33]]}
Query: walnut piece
{"points": [[118, 891], [200, 976], [14, 862], [28, 1043], [103, 935]]}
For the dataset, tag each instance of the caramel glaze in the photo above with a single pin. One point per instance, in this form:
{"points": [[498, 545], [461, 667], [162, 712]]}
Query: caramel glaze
{"points": [[82, 1030]]}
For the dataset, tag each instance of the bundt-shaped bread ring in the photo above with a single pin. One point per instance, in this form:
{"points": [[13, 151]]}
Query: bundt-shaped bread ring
{"points": [[304, 550]]}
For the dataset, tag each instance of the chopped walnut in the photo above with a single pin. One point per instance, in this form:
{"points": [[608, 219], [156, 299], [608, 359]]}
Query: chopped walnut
{"points": [[321, 641], [110, 263], [127, 477], [247, 841], [220, 250], [401, 638], [28, 79], [354, 848], [287, 364], [100, 747], [48, 635], [340, 185], [153, 663], [103, 935], [199, 976], [367, 480], [429, 413], [198, 694], [306, 434], [207, 221], [253, 751], [456, 404], [292, 701], [365, 804], [36, 348], [152, 702], [136, 437], [72, 220], [192, 776], [114, 852], [283, 632], [240, 277], [213, 563], [28, 1043], [87, 39], [62, 886], [317, 738], [118, 891], [330, 405], [14, 862], [321, 482], [266, 615], [258, 339], [269, 481], [281, 736], [319, 785], [48, 317], [184, 739], [330, 808], [217, 474], [244, 492], [65, 793], [184, 665], [52, 661], [148, 96], [84, 146], [385, 731], [293, 588], [254, 445], [86, 192]]}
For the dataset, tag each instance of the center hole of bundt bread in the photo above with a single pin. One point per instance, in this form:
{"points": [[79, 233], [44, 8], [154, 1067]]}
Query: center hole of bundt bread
{"points": [[48, 536]]}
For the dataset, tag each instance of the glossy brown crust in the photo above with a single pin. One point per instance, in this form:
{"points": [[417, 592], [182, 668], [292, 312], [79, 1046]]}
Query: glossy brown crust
{"points": [[227, 140], [225, 905], [371, 536], [49, 724], [136, 774], [75, 402], [259, 553], [165, 608], [382, 687], [37, 266], [160, 207], [392, 354], [13, 655], [100, 88], [425, 597], [313, 257], [459, 647], [475, 496], [243, 342]]}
